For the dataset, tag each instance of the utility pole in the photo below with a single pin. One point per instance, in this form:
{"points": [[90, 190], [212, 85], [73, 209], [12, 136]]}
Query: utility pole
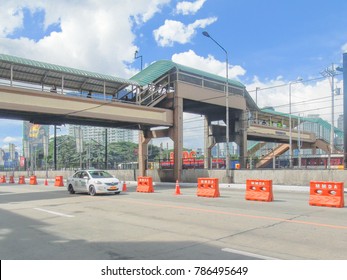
{"points": [[331, 72], [344, 71]]}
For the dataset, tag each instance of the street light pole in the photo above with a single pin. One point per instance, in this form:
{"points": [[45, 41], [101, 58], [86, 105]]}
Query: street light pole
{"points": [[256, 103], [290, 123], [290, 127], [136, 56], [227, 156]]}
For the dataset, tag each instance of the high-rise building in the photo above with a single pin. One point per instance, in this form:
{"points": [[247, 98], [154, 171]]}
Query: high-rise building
{"points": [[340, 122], [92, 133]]}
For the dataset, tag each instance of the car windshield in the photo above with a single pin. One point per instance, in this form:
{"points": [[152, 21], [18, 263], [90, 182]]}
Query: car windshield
{"points": [[100, 174]]}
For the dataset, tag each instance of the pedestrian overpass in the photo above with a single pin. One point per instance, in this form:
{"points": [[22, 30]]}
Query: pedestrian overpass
{"points": [[153, 102]]}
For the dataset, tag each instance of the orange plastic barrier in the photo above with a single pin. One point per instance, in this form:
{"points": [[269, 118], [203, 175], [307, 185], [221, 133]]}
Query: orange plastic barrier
{"points": [[3, 179], [330, 194], [145, 184], [21, 180], [33, 180], [11, 179], [208, 187], [259, 190], [59, 181]]}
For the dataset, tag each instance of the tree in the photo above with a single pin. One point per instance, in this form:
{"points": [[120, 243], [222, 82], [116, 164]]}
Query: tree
{"points": [[94, 153]]}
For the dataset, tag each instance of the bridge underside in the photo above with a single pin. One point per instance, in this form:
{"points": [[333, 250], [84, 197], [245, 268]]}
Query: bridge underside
{"points": [[52, 108]]}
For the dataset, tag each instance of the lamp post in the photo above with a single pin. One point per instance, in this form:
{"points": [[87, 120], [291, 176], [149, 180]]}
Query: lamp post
{"points": [[138, 56], [290, 122], [227, 156], [256, 103]]}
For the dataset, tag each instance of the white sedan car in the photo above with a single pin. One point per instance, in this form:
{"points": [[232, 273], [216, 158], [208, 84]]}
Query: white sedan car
{"points": [[93, 182]]}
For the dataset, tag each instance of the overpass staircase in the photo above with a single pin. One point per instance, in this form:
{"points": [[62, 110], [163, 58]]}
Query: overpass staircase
{"points": [[271, 153], [154, 93], [282, 148]]}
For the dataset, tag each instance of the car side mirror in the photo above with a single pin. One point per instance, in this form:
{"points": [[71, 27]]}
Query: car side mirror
{"points": [[86, 177]]}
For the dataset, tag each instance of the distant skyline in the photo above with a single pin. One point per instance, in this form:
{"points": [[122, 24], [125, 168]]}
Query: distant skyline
{"points": [[269, 43]]}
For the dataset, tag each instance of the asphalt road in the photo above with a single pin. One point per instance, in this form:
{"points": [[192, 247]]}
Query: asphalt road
{"points": [[46, 223]]}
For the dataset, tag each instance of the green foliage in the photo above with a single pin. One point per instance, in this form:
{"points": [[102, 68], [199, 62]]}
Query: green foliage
{"points": [[94, 153]]}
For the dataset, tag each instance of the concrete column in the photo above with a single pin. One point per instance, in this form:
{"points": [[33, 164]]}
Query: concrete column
{"points": [[143, 153], [178, 137], [241, 130], [209, 142], [243, 148]]}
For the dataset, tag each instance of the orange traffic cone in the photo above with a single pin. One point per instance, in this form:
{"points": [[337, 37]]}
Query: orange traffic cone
{"points": [[46, 182], [178, 190], [124, 187]]}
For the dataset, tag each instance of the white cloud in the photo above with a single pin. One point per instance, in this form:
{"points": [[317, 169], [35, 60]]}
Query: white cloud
{"points": [[94, 37], [10, 139], [177, 32], [344, 48], [17, 141], [10, 18], [209, 64], [187, 8]]}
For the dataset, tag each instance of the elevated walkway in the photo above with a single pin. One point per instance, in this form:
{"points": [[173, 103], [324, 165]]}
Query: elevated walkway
{"points": [[279, 135], [54, 108]]}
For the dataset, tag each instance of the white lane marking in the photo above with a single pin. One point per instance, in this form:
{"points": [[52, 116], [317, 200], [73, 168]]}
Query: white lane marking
{"points": [[248, 254], [54, 213]]}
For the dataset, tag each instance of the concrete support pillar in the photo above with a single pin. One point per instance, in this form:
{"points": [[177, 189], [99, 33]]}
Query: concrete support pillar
{"points": [[143, 153], [241, 139], [178, 137], [209, 142]]}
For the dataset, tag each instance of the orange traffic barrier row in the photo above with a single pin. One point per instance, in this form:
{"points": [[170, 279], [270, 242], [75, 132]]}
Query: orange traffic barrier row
{"points": [[259, 190], [59, 181], [330, 194], [33, 180], [208, 187], [145, 184]]}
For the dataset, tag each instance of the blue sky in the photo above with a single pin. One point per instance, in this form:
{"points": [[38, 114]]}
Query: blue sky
{"points": [[269, 43]]}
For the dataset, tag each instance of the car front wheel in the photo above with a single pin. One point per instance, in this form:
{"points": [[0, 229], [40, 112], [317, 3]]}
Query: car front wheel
{"points": [[92, 190], [70, 189]]}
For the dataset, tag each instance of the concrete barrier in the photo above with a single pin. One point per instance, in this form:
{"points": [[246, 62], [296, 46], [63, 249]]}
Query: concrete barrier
{"points": [[278, 176]]}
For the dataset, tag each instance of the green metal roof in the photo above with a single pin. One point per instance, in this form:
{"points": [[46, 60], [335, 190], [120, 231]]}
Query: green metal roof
{"points": [[161, 67], [36, 72]]}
